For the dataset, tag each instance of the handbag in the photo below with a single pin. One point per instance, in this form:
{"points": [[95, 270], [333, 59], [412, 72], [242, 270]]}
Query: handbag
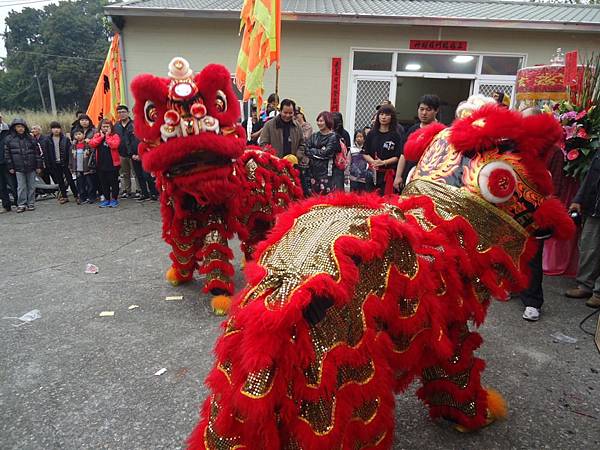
{"points": [[341, 157]]}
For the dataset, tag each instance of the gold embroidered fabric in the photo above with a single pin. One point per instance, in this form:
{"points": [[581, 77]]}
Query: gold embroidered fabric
{"points": [[212, 440], [320, 415], [258, 384], [307, 250], [493, 225]]}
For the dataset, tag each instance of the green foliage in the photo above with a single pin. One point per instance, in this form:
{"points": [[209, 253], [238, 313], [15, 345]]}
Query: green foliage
{"points": [[69, 40]]}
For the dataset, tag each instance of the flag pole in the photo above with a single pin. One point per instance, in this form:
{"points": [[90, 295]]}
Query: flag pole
{"points": [[277, 80]]}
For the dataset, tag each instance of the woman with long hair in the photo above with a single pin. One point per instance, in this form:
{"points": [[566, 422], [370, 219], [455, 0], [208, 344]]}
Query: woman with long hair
{"points": [[383, 149], [321, 149]]}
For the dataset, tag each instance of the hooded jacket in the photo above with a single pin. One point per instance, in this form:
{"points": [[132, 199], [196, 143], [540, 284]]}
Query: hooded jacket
{"points": [[588, 194], [21, 152]]}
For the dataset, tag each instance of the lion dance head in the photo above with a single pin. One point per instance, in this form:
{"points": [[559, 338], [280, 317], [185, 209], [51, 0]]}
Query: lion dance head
{"points": [[493, 162], [188, 127]]}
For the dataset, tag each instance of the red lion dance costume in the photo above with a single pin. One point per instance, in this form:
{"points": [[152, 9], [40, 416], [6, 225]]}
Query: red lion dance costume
{"points": [[351, 297], [211, 186]]}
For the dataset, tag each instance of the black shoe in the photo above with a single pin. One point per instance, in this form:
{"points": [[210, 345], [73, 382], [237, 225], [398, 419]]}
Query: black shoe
{"points": [[124, 195], [153, 197], [142, 199]]}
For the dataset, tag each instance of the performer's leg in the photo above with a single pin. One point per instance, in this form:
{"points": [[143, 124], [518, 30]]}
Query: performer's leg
{"points": [[216, 258], [452, 387], [182, 238]]}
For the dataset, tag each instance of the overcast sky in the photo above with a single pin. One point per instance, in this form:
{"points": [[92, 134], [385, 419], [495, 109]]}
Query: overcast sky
{"points": [[9, 5]]}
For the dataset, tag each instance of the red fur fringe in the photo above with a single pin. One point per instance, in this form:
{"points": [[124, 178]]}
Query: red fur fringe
{"points": [[447, 299], [419, 140]]}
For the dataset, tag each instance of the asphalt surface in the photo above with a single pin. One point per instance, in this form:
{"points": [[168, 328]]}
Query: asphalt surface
{"points": [[75, 380]]}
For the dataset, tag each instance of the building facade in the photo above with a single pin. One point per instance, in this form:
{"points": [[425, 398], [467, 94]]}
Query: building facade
{"points": [[335, 56]]}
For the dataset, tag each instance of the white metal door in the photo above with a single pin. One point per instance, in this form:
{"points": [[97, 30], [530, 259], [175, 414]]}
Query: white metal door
{"points": [[488, 86], [367, 93]]}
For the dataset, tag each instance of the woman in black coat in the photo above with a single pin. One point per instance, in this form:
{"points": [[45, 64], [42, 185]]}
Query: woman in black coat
{"points": [[321, 149]]}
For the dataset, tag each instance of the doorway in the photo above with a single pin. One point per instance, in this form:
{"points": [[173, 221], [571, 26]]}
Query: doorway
{"points": [[410, 89]]}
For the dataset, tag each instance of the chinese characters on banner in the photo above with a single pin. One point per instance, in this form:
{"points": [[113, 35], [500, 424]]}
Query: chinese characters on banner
{"points": [[336, 81], [423, 44], [570, 78]]}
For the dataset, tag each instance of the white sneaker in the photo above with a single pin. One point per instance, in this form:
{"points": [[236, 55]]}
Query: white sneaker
{"points": [[532, 314]]}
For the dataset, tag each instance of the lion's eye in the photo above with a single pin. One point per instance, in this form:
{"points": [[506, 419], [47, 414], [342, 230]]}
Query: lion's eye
{"points": [[221, 101], [497, 182], [150, 113]]}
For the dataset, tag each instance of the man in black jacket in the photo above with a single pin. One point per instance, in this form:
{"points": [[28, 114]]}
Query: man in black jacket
{"points": [[57, 156], [23, 159], [124, 128], [129, 146], [586, 203], [5, 178]]}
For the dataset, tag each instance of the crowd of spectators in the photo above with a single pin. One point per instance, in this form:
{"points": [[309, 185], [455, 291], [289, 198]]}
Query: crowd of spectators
{"points": [[95, 163]]}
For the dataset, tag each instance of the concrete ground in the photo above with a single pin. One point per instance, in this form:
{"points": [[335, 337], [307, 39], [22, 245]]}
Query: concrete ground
{"points": [[75, 380]]}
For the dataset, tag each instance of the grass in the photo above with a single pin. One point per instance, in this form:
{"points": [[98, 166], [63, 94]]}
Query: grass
{"points": [[41, 118]]}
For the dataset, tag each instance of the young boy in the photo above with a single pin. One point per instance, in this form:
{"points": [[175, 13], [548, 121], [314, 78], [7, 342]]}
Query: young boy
{"points": [[82, 163], [57, 158]]}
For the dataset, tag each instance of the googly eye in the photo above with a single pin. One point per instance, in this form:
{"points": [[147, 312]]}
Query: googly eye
{"points": [[150, 113], [198, 110], [221, 101], [172, 117], [497, 182]]}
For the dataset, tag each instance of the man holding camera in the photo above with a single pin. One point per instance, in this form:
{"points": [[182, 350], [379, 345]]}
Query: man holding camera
{"points": [[586, 204]]}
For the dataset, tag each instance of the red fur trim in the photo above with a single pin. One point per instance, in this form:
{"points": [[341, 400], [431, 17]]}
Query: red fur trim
{"points": [[148, 87], [419, 140], [553, 215], [176, 150], [482, 129], [217, 77]]}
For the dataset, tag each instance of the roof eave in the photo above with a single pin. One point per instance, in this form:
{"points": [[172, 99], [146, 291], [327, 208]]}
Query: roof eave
{"points": [[363, 19]]}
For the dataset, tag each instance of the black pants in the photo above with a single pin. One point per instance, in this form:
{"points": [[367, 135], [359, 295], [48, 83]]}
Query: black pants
{"points": [[5, 185], [86, 186], [534, 294], [145, 181], [60, 173], [109, 181]]}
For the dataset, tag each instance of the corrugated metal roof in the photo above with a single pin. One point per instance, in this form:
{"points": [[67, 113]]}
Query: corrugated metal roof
{"points": [[442, 12]]}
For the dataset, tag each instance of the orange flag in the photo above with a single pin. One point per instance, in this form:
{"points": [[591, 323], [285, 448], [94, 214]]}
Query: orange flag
{"points": [[261, 24], [110, 89]]}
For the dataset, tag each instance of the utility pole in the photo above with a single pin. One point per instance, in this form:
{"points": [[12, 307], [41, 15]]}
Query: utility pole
{"points": [[35, 75], [51, 89]]}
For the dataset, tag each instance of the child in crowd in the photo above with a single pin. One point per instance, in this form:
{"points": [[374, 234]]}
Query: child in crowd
{"points": [[83, 164], [361, 177], [23, 159], [108, 162]]}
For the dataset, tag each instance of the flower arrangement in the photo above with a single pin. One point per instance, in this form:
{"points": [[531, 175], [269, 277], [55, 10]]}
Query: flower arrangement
{"points": [[580, 119], [581, 136]]}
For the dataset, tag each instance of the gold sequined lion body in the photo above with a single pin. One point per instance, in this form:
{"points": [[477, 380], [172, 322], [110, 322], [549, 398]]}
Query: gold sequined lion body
{"points": [[352, 297]]}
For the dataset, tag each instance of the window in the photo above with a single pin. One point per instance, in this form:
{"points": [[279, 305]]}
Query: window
{"points": [[372, 61], [421, 62], [501, 65]]}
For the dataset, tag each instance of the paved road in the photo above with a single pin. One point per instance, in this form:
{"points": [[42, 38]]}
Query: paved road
{"points": [[74, 380]]}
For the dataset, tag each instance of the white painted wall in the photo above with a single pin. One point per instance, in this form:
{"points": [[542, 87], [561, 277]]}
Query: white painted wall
{"points": [[307, 49]]}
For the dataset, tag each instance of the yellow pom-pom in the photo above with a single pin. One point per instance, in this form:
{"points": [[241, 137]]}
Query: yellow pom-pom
{"points": [[496, 404], [171, 276], [291, 159], [220, 304]]}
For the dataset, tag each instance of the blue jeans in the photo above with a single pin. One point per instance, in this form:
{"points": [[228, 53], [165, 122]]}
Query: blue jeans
{"points": [[26, 188]]}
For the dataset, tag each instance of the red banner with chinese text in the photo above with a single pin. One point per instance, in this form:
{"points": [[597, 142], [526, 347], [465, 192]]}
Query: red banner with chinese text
{"points": [[336, 83], [424, 44]]}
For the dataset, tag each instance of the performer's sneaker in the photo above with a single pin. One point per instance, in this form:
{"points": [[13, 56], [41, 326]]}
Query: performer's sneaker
{"points": [[113, 203], [104, 204], [531, 314]]}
